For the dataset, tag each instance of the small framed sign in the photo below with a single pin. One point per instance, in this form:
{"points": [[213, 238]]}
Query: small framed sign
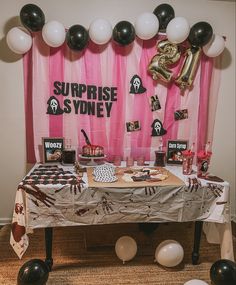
{"points": [[52, 149], [174, 151]]}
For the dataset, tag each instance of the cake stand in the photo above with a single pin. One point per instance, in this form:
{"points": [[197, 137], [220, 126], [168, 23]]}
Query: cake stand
{"points": [[92, 159]]}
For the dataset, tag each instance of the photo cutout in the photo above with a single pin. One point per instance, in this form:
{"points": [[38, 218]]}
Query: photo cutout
{"points": [[133, 126], [181, 114], [154, 103]]}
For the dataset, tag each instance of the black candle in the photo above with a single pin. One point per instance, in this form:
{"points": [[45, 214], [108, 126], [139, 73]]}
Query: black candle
{"points": [[68, 156], [160, 158]]}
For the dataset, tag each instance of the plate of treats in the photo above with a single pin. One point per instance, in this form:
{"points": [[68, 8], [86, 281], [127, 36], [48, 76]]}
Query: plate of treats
{"points": [[144, 174]]}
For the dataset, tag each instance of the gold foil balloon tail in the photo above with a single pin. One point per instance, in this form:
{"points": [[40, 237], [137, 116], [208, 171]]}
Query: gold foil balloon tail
{"points": [[189, 68]]}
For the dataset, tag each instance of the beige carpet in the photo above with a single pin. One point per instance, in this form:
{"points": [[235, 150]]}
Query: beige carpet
{"points": [[86, 256]]}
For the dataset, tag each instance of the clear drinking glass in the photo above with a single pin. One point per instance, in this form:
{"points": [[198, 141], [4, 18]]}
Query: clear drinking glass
{"points": [[129, 161], [187, 162], [140, 160], [203, 162], [117, 160]]}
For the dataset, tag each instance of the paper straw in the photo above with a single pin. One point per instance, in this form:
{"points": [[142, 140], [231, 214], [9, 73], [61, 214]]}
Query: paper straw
{"points": [[161, 144], [207, 147], [192, 147]]}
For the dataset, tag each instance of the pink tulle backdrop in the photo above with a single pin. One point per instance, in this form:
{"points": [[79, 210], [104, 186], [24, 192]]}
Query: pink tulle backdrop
{"points": [[114, 66]]}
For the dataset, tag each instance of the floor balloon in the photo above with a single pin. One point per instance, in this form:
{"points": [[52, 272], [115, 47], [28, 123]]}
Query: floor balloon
{"points": [[223, 272], [195, 282], [126, 248], [169, 253], [33, 272]]}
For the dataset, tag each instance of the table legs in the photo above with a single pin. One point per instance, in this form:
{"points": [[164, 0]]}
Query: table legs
{"points": [[195, 253], [197, 240], [48, 247], [148, 228]]}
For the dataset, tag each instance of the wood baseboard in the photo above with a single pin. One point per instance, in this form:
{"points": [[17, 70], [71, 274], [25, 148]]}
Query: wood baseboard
{"points": [[4, 221]]}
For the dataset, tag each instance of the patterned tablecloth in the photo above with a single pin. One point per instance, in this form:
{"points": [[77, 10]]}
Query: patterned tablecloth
{"points": [[52, 195]]}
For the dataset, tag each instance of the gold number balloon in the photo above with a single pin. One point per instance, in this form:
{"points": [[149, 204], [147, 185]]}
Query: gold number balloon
{"points": [[187, 73], [169, 54]]}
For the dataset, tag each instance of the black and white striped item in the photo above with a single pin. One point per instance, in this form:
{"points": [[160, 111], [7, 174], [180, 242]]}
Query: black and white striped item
{"points": [[104, 168], [104, 173]]}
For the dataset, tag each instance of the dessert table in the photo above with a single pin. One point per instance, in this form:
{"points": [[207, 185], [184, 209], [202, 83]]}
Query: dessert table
{"points": [[54, 196]]}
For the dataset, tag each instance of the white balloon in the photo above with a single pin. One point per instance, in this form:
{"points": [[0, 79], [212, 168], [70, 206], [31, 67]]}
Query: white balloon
{"points": [[169, 253], [19, 40], [177, 30], [146, 26], [195, 282], [100, 31], [126, 248], [54, 33], [215, 47]]}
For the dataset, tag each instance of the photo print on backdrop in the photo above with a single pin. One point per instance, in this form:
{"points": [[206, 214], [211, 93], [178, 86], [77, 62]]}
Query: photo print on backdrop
{"points": [[133, 126], [136, 85], [174, 151], [154, 103], [181, 114], [52, 149]]}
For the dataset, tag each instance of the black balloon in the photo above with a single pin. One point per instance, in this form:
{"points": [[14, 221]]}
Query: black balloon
{"points": [[33, 272], [200, 34], [77, 37], [32, 17], [165, 13], [223, 272], [124, 33]]}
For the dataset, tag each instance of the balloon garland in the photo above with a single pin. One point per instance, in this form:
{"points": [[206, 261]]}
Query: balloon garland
{"points": [[123, 33], [32, 17], [77, 38], [165, 13], [54, 33], [199, 37]]}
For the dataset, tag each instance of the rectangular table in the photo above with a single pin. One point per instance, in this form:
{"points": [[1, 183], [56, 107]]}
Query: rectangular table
{"points": [[52, 196]]}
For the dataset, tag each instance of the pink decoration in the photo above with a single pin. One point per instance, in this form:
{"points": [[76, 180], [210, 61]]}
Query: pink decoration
{"points": [[206, 72], [56, 59], [114, 66], [30, 152]]}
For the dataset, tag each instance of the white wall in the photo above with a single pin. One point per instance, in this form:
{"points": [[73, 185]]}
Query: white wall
{"points": [[220, 14]]}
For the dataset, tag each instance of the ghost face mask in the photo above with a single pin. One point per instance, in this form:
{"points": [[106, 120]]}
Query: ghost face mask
{"points": [[54, 105], [157, 128], [136, 85]]}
